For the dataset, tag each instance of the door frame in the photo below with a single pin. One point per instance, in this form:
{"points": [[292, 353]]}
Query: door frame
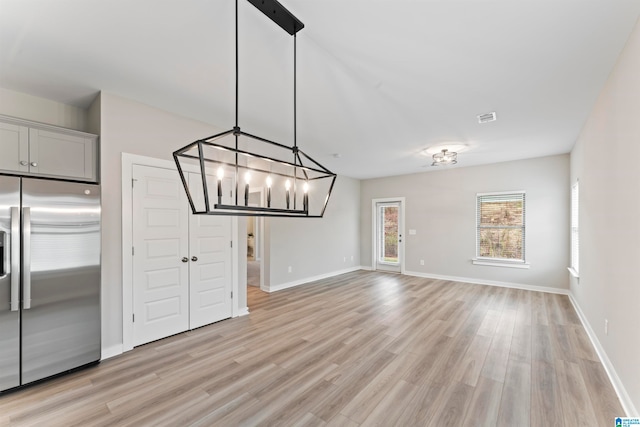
{"points": [[374, 230], [128, 161]]}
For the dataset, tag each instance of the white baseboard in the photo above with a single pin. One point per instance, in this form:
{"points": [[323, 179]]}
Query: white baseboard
{"points": [[311, 279], [621, 391], [243, 312], [114, 350], [526, 287]]}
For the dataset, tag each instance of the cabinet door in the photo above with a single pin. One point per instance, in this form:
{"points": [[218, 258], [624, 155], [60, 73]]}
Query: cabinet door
{"points": [[59, 154], [14, 146]]}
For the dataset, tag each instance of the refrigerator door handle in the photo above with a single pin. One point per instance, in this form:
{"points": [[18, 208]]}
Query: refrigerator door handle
{"points": [[15, 258], [26, 257]]}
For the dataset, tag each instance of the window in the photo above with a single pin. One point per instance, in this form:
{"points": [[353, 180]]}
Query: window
{"points": [[575, 236], [500, 227]]}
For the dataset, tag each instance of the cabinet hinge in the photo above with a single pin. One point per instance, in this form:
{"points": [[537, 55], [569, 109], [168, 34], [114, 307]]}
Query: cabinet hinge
{"points": [[231, 243], [133, 182], [134, 317], [231, 294], [133, 250]]}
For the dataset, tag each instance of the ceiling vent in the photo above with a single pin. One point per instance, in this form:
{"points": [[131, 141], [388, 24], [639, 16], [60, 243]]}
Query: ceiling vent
{"points": [[488, 117]]}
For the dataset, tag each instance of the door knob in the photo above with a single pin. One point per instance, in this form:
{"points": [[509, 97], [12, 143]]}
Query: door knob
{"points": [[194, 258], [24, 163], [185, 259], [34, 164]]}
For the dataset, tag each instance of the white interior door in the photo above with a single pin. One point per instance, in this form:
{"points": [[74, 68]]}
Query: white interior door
{"points": [[210, 261], [160, 254], [388, 241]]}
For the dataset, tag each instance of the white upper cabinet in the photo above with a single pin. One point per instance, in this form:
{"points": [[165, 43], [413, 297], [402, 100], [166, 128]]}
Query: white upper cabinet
{"points": [[52, 153], [34, 149], [14, 147]]}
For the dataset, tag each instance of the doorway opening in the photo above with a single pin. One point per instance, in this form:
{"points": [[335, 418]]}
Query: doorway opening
{"points": [[253, 252], [255, 260]]}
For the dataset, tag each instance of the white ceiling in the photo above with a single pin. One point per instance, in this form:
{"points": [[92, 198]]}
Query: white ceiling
{"points": [[378, 80]]}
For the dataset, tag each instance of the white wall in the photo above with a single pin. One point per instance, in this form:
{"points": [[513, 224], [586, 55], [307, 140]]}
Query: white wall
{"points": [[441, 207], [131, 127], [606, 160], [315, 247], [94, 114], [42, 110]]}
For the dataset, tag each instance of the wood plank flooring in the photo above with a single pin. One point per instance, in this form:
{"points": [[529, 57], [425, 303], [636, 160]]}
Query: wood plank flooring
{"points": [[360, 349]]}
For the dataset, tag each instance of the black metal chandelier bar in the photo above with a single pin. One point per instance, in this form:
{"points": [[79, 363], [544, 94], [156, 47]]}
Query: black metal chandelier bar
{"points": [[235, 151]]}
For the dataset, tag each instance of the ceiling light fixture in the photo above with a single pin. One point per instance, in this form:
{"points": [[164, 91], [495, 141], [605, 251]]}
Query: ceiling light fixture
{"points": [[284, 173], [445, 157]]}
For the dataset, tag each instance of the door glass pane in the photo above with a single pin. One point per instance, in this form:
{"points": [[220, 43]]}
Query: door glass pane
{"points": [[389, 234]]}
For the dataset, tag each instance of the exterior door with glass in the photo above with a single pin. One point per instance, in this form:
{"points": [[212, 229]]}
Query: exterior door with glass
{"points": [[388, 236]]}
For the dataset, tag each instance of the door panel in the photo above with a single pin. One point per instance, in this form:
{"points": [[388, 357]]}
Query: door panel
{"points": [[9, 320], [210, 274], [52, 153], [61, 320], [388, 236], [161, 242], [14, 146]]}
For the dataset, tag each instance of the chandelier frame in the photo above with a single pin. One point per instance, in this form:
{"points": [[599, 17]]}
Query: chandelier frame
{"points": [[294, 164]]}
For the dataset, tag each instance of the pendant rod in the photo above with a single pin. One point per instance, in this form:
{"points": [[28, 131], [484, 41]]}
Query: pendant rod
{"points": [[236, 171], [295, 124], [236, 63], [295, 109]]}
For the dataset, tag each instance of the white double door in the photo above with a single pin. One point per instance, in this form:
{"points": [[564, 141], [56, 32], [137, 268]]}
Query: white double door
{"points": [[181, 262]]}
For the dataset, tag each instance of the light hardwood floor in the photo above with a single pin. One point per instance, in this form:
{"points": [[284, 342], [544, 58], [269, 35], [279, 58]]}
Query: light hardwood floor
{"points": [[363, 348]]}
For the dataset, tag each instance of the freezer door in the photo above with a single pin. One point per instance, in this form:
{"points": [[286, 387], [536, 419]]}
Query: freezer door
{"points": [[9, 282], [61, 277]]}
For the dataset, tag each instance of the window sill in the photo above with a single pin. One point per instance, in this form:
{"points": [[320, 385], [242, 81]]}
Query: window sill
{"points": [[573, 272], [497, 263]]}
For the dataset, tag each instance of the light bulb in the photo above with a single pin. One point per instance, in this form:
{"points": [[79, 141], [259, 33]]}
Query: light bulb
{"points": [[247, 177], [220, 173], [305, 187], [269, 181], [287, 185]]}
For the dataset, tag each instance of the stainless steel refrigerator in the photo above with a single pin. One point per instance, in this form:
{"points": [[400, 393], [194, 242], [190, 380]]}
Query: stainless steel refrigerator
{"points": [[49, 278]]}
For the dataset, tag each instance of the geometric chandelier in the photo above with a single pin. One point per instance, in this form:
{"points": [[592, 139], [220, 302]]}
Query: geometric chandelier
{"points": [[241, 174]]}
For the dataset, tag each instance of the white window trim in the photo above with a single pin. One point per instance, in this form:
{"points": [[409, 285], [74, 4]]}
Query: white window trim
{"points": [[502, 262], [499, 262]]}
